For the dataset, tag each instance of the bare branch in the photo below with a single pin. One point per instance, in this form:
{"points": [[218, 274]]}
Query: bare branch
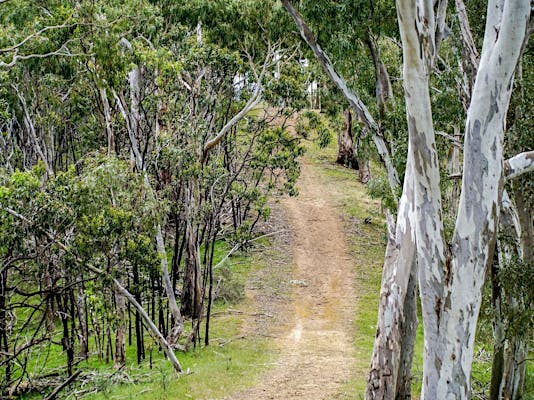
{"points": [[251, 103], [454, 140], [468, 43], [359, 107], [63, 52], [519, 164], [31, 130], [32, 36], [440, 24]]}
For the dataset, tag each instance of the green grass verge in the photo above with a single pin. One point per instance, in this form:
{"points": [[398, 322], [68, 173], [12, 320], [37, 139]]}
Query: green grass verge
{"points": [[367, 244], [230, 363]]}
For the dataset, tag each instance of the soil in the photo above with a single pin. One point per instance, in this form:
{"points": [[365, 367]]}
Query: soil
{"points": [[315, 337]]}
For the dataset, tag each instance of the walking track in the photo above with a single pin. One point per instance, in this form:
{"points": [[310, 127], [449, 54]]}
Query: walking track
{"points": [[316, 344]]}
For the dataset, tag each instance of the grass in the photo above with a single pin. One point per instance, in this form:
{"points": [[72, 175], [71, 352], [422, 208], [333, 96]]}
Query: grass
{"points": [[367, 244], [213, 371], [231, 362]]}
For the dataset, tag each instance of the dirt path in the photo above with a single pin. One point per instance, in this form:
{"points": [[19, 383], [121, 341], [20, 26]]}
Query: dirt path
{"points": [[316, 347]]}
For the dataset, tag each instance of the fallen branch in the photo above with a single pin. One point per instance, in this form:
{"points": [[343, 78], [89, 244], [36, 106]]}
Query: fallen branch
{"points": [[222, 344], [153, 328], [59, 388]]}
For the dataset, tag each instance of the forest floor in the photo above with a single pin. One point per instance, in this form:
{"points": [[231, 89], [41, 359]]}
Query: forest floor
{"points": [[305, 328], [316, 337]]}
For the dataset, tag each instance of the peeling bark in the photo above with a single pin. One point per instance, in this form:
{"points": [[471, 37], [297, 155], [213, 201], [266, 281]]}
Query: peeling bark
{"points": [[391, 351], [416, 30], [409, 331], [345, 143]]}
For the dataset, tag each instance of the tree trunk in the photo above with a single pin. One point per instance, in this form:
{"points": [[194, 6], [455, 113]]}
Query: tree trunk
{"points": [[526, 217], [409, 331], [192, 289], [416, 28], [383, 89], [106, 109], [476, 224], [83, 330], [451, 286], [345, 153], [167, 348], [120, 334], [394, 331], [364, 166], [510, 348]]}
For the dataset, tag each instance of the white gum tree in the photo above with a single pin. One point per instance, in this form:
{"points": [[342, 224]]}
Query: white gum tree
{"points": [[450, 275]]}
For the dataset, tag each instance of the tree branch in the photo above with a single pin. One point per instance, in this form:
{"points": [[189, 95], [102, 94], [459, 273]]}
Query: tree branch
{"points": [[519, 164], [440, 24], [251, 103], [63, 52], [32, 36], [359, 107], [152, 327]]}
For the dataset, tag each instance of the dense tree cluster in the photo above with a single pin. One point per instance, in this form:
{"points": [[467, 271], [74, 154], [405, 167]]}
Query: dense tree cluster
{"points": [[137, 137]]}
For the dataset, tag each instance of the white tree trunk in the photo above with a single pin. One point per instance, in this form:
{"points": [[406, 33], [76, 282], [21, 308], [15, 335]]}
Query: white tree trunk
{"points": [[451, 285], [510, 348], [120, 333], [415, 23], [398, 265], [132, 120], [476, 225], [106, 109]]}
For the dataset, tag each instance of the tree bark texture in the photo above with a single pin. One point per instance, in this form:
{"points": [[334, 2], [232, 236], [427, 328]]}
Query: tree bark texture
{"points": [[392, 343], [192, 289], [451, 284], [416, 30], [476, 224], [345, 143]]}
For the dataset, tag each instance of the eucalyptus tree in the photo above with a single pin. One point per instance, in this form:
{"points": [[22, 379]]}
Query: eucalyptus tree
{"points": [[143, 87], [511, 275], [450, 275], [209, 159], [353, 33], [391, 363]]}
